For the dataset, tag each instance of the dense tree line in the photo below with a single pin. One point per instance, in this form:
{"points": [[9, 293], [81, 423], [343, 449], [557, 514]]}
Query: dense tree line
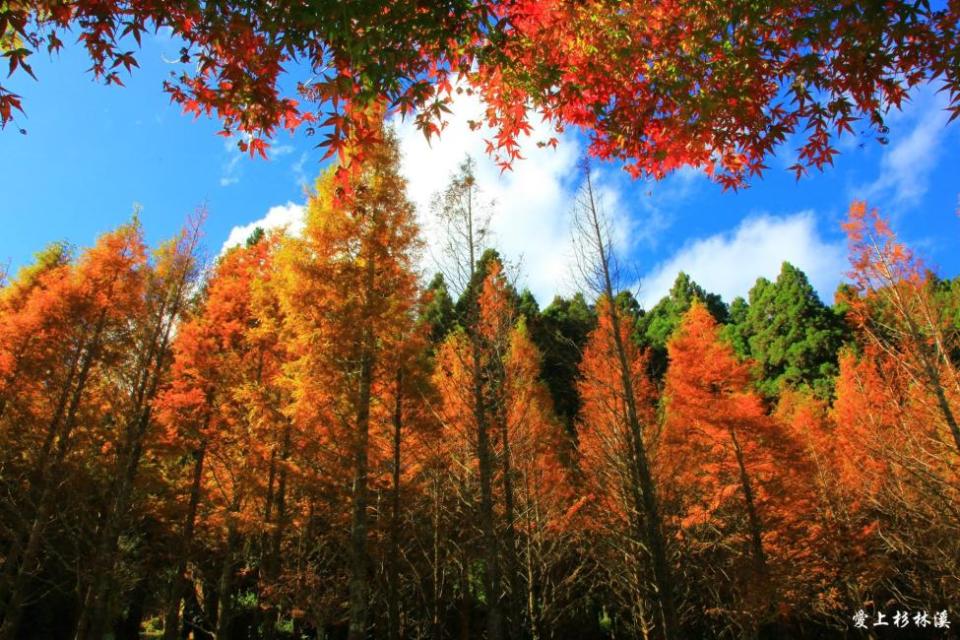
{"points": [[309, 440]]}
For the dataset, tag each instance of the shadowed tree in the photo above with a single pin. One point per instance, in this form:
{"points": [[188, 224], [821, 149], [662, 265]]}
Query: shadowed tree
{"points": [[561, 335], [737, 481], [599, 269], [86, 311]]}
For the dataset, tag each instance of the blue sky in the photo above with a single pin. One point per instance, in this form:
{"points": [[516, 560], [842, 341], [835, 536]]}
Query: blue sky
{"points": [[92, 152]]}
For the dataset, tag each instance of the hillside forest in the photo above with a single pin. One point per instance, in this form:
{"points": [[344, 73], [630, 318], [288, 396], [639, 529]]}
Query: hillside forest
{"points": [[309, 437]]}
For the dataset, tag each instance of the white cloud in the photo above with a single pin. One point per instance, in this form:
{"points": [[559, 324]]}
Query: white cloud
{"points": [[729, 263], [531, 210], [530, 220], [907, 162], [288, 215], [299, 171], [230, 174], [279, 150]]}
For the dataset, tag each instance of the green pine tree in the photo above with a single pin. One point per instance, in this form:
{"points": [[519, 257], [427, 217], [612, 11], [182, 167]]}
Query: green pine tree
{"points": [[790, 333], [560, 335], [656, 326], [439, 311]]}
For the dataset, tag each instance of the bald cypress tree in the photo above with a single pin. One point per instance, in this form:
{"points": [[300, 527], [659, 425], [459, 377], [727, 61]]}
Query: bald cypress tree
{"points": [[655, 327]]}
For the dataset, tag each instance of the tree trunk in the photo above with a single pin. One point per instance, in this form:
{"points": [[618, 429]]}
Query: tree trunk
{"points": [[463, 611], [756, 531], [94, 616], [648, 506], [128, 628], [273, 556], [225, 585], [511, 563], [947, 412], [80, 362], [393, 562], [491, 573], [171, 619], [48, 472], [436, 624], [359, 580], [534, 524]]}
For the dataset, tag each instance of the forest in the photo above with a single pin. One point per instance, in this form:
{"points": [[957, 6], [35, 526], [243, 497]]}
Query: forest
{"points": [[313, 437], [307, 437]]}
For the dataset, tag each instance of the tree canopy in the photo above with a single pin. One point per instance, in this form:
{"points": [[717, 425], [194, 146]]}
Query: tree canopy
{"points": [[789, 332], [659, 322], [310, 439], [657, 86]]}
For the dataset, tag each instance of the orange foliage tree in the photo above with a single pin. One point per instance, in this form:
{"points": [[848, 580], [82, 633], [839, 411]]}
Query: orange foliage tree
{"points": [[350, 286], [900, 476], [734, 478], [487, 379], [71, 326], [172, 274], [896, 310], [608, 448], [599, 269], [227, 439], [895, 413]]}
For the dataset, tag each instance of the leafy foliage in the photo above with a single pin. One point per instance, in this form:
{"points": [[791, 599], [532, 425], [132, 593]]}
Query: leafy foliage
{"points": [[311, 441], [657, 324], [789, 332], [658, 86]]}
